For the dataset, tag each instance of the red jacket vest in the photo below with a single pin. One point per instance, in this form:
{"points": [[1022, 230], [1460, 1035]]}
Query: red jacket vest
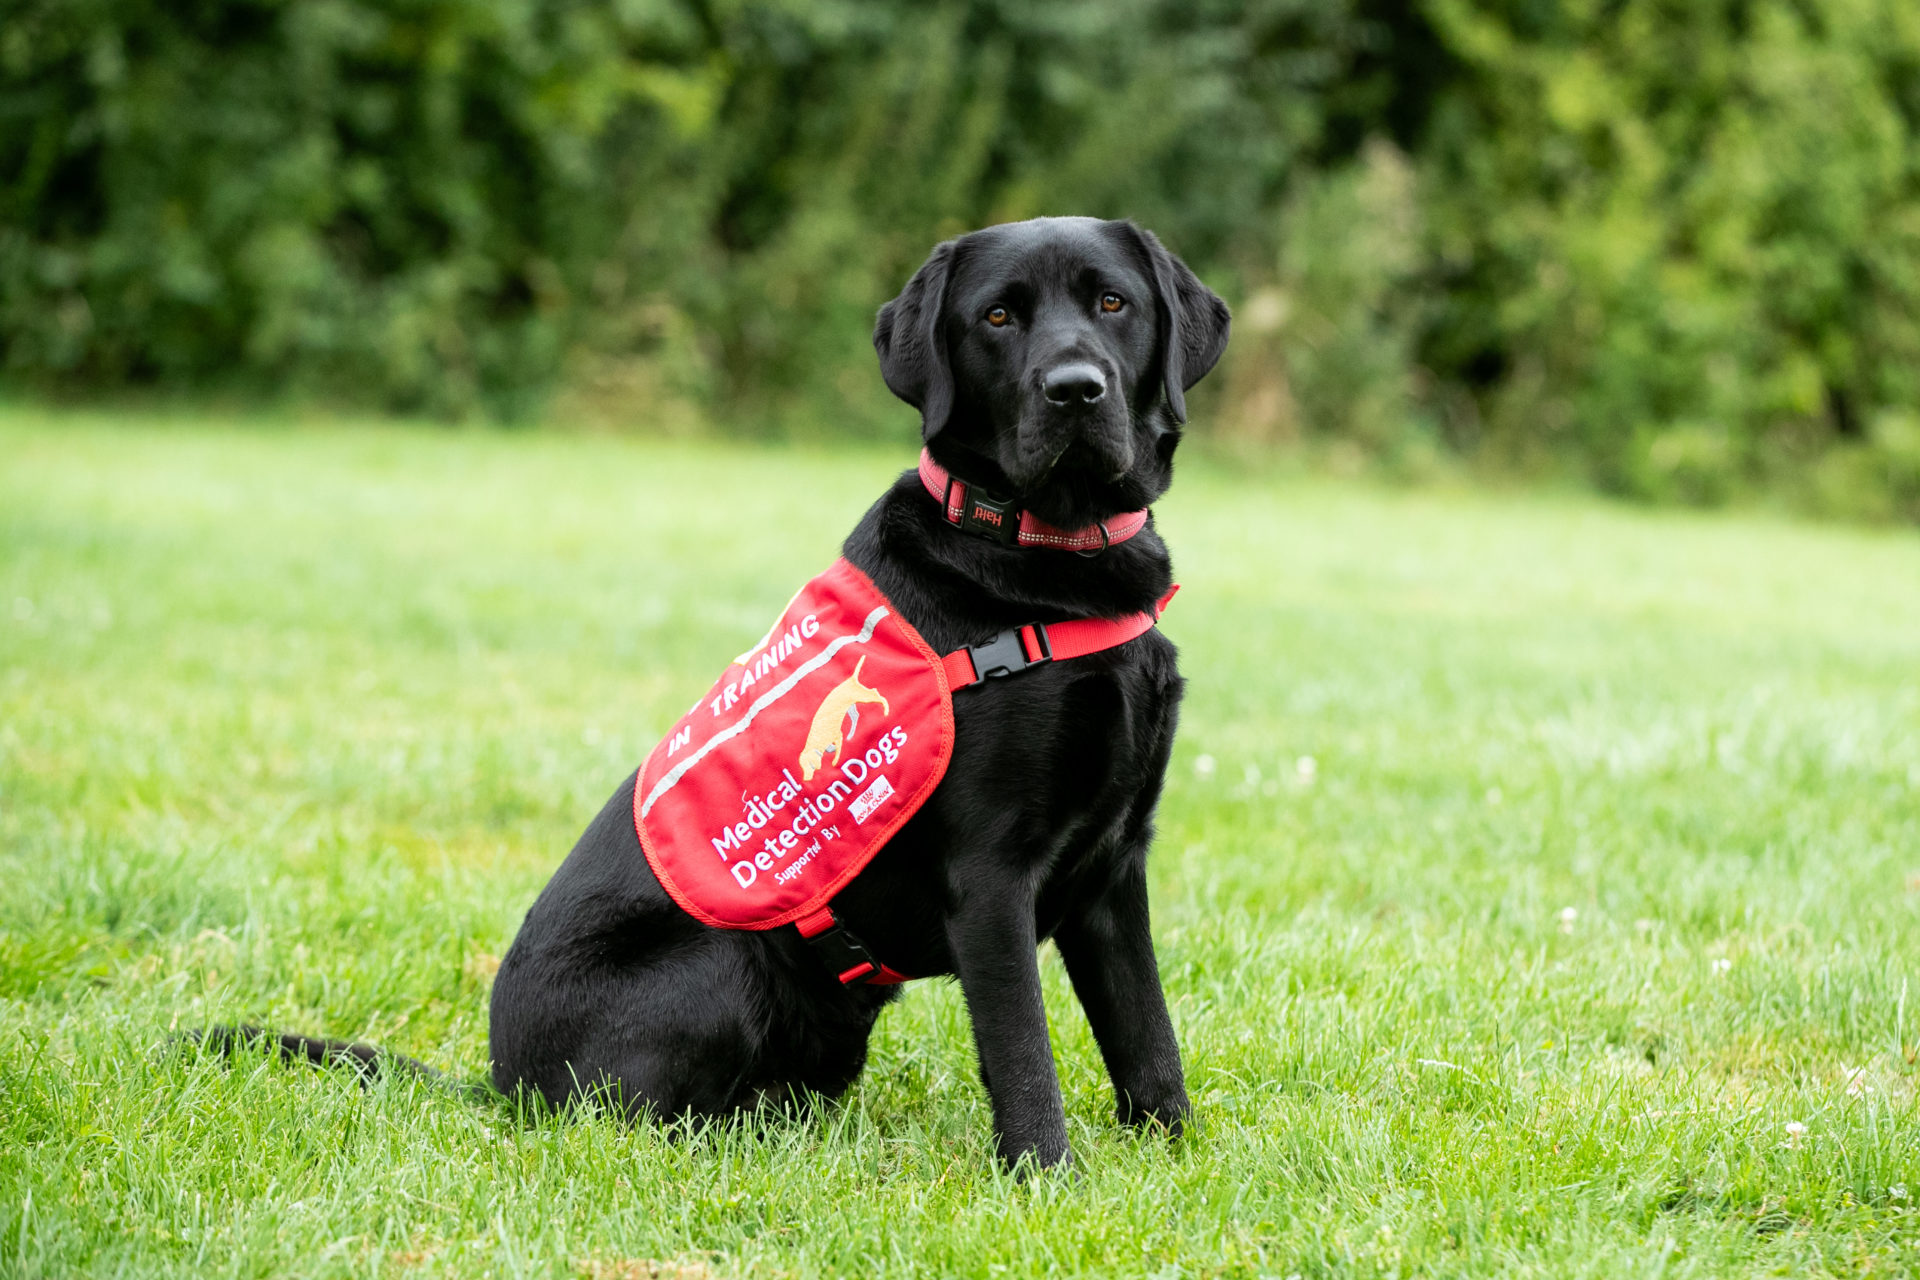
{"points": [[814, 747], [790, 774]]}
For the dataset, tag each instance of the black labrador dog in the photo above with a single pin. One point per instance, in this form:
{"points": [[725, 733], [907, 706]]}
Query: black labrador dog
{"points": [[1049, 360]]}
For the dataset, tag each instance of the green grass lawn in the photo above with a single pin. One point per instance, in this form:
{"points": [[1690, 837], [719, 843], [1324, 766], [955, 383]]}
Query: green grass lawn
{"points": [[1537, 888]]}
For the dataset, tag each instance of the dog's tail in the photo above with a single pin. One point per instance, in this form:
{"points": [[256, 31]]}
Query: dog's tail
{"points": [[365, 1061]]}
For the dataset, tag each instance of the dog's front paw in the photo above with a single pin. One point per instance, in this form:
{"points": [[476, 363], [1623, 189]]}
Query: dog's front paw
{"points": [[1038, 1153], [1029, 1165], [1168, 1112]]}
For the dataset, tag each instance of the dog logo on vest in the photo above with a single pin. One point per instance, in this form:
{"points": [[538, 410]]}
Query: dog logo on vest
{"points": [[842, 703]]}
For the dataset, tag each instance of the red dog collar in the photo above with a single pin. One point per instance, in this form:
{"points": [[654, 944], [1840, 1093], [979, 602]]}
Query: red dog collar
{"points": [[970, 508]]}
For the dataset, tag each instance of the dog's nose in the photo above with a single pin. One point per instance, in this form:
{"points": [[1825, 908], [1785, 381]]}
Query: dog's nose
{"points": [[1074, 384]]}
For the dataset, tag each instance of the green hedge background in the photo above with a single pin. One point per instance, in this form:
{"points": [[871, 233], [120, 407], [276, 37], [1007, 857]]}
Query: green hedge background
{"points": [[1672, 246]]}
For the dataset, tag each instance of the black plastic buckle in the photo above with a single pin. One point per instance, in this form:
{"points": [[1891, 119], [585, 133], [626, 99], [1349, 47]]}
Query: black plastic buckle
{"points": [[986, 515], [844, 954], [1005, 655]]}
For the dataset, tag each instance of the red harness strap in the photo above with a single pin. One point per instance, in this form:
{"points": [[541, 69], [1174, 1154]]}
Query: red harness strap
{"points": [[845, 954], [976, 511], [1021, 647]]}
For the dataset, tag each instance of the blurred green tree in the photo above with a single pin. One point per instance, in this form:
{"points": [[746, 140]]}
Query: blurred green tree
{"points": [[1676, 245], [1680, 241], [452, 204]]}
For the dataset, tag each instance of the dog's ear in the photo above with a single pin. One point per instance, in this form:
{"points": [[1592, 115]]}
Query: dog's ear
{"points": [[913, 348], [1193, 320]]}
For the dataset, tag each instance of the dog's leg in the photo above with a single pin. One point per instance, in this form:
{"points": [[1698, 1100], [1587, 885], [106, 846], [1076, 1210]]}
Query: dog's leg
{"points": [[1108, 948], [992, 939]]}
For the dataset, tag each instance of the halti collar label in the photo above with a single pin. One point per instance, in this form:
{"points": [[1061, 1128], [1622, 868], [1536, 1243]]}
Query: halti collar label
{"points": [[800, 763]]}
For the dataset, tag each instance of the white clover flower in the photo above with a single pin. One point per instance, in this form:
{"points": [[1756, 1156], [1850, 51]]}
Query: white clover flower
{"points": [[1567, 916], [1795, 1132], [1722, 964], [1204, 765], [1306, 768]]}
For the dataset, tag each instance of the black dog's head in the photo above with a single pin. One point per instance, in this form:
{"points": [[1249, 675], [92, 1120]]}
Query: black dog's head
{"points": [[1050, 359]]}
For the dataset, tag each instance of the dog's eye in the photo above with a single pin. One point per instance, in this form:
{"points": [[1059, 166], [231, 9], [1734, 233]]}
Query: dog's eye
{"points": [[1111, 302], [997, 317]]}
